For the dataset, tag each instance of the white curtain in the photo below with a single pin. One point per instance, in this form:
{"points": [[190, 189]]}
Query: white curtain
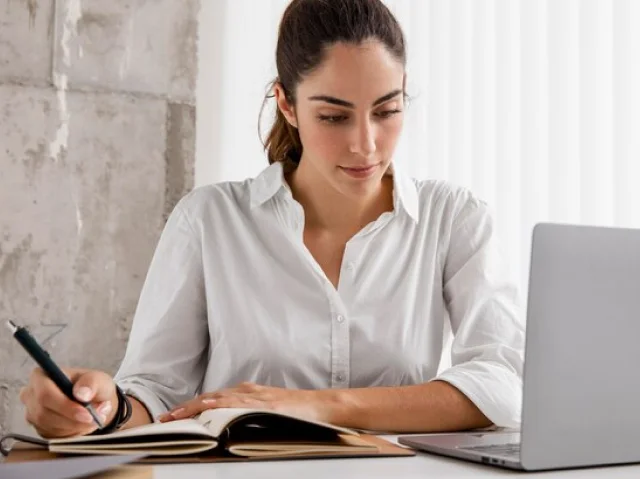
{"points": [[532, 104]]}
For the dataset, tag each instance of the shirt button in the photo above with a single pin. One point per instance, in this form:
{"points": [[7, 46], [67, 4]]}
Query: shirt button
{"points": [[340, 318], [351, 266], [340, 378]]}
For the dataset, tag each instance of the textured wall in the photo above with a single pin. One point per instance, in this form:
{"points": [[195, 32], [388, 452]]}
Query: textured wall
{"points": [[97, 140]]}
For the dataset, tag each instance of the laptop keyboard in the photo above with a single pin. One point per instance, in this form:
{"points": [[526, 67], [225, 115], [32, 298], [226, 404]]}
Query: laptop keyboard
{"points": [[511, 450]]}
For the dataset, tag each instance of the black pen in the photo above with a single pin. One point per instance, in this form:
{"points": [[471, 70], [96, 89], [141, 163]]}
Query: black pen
{"points": [[50, 368]]}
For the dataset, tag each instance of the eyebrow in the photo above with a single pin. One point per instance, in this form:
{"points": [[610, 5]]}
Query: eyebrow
{"points": [[348, 104]]}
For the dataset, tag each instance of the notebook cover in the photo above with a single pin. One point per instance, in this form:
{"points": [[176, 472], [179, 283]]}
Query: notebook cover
{"points": [[21, 452]]}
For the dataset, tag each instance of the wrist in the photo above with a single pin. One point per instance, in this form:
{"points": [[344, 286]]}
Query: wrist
{"points": [[122, 413], [338, 406]]}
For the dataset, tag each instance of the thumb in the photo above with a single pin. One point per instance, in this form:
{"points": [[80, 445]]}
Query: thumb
{"points": [[93, 386]]}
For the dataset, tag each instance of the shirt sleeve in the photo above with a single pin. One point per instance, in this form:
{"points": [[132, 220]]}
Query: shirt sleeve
{"points": [[165, 359], [487, 352]]}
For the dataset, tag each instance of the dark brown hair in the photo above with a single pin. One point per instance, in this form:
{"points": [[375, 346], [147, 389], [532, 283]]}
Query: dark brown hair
{"points": [[307, 29]]}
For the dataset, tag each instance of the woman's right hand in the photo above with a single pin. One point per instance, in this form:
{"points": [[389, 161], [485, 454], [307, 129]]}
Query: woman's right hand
{"points": [[54, 415]]}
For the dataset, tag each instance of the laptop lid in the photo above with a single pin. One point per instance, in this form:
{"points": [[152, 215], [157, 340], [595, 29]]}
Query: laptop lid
{"points": [[581, 397]]}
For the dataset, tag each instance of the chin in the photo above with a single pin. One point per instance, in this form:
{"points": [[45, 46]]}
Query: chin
{"points": [[359, 187]]}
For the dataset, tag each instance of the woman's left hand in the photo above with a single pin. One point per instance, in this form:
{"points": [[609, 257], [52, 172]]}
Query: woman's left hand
{"points": [[308, 404]]}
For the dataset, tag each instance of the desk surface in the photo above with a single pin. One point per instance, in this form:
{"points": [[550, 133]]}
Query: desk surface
{"points": [[421, 466]]}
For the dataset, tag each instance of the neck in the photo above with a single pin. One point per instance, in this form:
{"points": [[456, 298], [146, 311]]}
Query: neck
{"points": [[328, 209]]}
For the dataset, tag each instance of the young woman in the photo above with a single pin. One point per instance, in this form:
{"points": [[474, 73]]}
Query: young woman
{"points": [[322, 286]]}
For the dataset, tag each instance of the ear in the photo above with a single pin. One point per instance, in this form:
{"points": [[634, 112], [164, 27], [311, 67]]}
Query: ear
{"points": [[285, 107]]}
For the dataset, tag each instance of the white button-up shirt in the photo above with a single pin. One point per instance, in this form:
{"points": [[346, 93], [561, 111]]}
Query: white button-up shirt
{"points": [[233, 294]]}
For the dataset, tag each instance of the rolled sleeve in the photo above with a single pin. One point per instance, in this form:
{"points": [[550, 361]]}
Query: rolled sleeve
{"points": [[165, 359], [487, 352]]}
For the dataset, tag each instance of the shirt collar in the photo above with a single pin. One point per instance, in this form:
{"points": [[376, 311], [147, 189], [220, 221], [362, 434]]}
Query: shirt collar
{"points": [[271, 180], [264, 186], [405, 192]]}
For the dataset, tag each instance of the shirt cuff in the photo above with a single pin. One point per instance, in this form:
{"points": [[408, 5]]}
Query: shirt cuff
{"points": [[151, 401], [494, 390]]}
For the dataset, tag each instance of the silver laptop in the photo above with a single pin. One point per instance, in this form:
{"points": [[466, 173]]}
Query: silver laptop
{"points": [[581, 396]]}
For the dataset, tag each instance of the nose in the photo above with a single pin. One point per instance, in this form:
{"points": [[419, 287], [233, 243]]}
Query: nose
{"points": [[363, 141]]}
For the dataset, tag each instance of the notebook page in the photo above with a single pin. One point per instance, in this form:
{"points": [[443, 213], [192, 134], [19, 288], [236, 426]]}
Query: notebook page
{"points": [[217, 420], [181, 426]]}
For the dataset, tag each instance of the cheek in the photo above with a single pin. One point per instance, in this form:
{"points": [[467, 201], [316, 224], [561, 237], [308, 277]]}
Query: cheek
{"points": [[390, 134], [323, 142]]}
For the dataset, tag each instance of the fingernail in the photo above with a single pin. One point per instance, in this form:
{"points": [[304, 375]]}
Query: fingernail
{"points": [[177, 412], [83, 393], [105, 408], [83, 416], [209, 401]]}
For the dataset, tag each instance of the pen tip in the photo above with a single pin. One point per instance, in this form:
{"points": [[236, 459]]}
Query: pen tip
{"points": [[11, 325], [95, 416]]}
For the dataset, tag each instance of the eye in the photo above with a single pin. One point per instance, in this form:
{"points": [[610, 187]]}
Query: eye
{"points": [[333, 119], [387, 113]]}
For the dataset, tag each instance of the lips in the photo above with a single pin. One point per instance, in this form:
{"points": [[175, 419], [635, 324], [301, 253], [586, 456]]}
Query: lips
{"points": [[358, 168], [360, 171]]}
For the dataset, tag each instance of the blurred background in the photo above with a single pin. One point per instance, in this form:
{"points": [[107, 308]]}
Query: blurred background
{"points": [[110, 111]]}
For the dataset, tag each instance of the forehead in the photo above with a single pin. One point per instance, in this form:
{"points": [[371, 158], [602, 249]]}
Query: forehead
{"points": [[356, 73]]}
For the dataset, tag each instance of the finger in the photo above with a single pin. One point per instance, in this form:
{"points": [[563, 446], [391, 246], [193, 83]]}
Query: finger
{"points": [[193, 406], [212, 401], [46, 394], [91, 386], [187, 409], [50, 423]]}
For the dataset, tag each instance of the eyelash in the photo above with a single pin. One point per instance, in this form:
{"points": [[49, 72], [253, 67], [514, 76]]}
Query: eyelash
{"points": [[336, 119]]}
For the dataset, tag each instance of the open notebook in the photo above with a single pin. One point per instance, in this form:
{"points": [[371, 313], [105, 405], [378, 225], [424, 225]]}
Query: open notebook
{"points": [[228, 433]]}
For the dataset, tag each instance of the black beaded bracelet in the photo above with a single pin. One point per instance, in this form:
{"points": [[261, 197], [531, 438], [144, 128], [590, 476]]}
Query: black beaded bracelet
{"points": [[123, 414]]}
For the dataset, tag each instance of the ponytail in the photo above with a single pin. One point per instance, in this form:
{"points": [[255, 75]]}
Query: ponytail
{"points": [[283, 141]]}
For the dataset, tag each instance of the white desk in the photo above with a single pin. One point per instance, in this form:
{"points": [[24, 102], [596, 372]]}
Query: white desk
{"points": [[422, 466]]}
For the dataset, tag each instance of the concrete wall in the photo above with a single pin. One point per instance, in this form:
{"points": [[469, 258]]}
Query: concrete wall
{"points": [[97, 141]]}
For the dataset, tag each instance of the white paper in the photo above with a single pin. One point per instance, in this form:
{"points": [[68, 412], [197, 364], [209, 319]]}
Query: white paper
{"points": [[63, 468]]}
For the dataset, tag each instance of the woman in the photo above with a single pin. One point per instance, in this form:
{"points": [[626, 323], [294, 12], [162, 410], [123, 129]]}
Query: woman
{"points": [[322, 286]]}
